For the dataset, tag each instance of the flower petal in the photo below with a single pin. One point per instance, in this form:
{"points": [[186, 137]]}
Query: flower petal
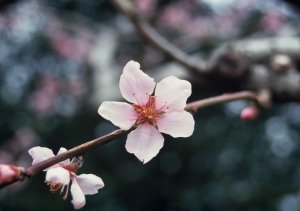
{"points": [[120, 114], [144, 142], [78, 200], [62, 150], [172, 93], [135, 85], [39, 154], [176, 124], [89, 183], [58, 175]]}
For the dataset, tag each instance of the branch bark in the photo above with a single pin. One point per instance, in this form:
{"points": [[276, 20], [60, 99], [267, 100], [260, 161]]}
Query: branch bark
{"points": [[86, 147], [195, 106], [196, 67], [236, 65]]}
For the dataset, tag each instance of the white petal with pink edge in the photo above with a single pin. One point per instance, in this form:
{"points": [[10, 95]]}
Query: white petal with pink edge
{"points": [[58, 175], [135, 85], [78, 200], [89, 183], [176, 124], [144, 142], [120, 114], [39, 154], [172, 93], [62, 150]]}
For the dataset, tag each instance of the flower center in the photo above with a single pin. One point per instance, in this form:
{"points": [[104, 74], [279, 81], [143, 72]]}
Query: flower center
{"points": [[55, 186], [147, 113], [70, 167], [64, 188]]}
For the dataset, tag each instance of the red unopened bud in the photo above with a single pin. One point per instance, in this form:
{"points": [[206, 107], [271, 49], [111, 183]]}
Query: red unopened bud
{"points": [[9, 173], [249, 113]]}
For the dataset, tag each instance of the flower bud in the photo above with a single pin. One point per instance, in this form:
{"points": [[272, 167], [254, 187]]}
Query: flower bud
{"points": [[9, 173], [249, 113]]}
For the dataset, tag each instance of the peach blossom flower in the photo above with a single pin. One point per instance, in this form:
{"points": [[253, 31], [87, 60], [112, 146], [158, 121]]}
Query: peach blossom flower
{"points": [[59, 176], [152, 115]]}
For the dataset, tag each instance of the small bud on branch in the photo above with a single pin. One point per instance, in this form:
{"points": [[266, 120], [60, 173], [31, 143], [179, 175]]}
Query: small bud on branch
{"points": [[9, 173], [249, 113]]}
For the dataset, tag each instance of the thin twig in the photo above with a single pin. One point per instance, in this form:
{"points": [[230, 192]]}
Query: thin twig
{"points": [[85, 147], [195, 106], [78, 150]]}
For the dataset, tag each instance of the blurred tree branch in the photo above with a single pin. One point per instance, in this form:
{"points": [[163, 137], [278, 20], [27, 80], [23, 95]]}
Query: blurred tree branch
{"points": [[195, 66], [255, 64]]}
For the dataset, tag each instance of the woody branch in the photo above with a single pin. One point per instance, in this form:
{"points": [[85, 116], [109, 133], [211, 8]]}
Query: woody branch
{"points": [[89, 145], [233, 63]]}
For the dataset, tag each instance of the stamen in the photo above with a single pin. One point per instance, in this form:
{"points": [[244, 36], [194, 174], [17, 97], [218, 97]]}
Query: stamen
{"points": [[148, 112], [163, 107], [62, 189], [54, 187], [136, 99], [66, 193]]}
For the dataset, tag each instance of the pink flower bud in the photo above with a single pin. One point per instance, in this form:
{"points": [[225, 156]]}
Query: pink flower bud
{"points": [[249, 113], [9, 173]]}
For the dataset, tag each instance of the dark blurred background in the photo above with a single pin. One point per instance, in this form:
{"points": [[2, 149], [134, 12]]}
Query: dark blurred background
{"points": [[59, 59]]}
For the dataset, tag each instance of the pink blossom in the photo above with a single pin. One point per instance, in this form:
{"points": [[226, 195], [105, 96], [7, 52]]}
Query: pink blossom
{"points": [[9, 173], [59, 176], [151, 115]]}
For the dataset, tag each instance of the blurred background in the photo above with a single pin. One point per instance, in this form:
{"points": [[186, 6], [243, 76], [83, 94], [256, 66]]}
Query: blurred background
{"points": [[59, 59]]}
